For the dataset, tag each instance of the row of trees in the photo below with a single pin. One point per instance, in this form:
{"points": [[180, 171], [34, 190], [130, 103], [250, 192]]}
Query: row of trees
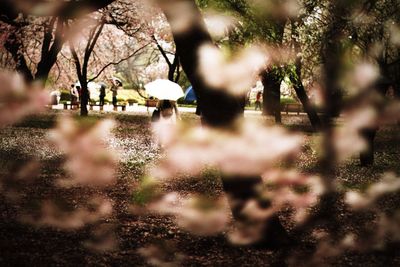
{"points": [[59, 49], [329, 40], [298, 27]]}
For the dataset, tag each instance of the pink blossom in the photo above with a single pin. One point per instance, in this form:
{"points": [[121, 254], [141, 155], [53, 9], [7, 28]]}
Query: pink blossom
{"points": [[249, 150], [52, 215], [237, 75], [18, 100], [89, 160], [199, 215], [389, 183]]}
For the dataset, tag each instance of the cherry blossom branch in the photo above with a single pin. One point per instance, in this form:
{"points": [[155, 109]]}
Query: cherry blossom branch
{"points": [[118, 62]]}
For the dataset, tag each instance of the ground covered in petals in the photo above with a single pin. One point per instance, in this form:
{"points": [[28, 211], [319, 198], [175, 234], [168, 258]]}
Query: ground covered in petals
{"points": [[126, 238]]}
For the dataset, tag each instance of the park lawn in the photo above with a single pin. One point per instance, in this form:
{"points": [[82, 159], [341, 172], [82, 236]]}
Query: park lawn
{"points": [[125, 95], [23, 244]]}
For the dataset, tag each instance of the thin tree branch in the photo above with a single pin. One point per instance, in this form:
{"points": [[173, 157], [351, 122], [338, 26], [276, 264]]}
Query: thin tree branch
{"points": [[162, 51], [48, 36], [91, 44], [76, 59], [118, 62]]}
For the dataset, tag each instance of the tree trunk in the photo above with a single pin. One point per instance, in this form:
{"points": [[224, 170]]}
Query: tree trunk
{"points": [[48, 55], [84, 98], [367, 156], [272, 95], [172, 68], [381, 86], [305, 101], [218, 109], [14, 47], [295, 78]]}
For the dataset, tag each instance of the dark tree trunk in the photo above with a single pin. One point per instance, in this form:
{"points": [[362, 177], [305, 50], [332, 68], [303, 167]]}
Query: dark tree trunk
{"points": [[84, 98], [272, 95], [173, 68], [84, 91], [50, 53], [295, 78], [305, 101], [14, 47], [396, 89], [381, 87], [51, 46], [395, 75], [367, 156], [218, 109], [82, 70]]}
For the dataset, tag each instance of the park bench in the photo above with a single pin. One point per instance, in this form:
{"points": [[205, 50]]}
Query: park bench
{"points": [[96, 105], [292, 107], [123, 107], [151, 103], [71, 105]]}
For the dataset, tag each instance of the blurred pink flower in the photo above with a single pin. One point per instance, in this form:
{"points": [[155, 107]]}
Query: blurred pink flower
{"points": [[237, 75], [251, 149], [390, 183], [291, 188], [163, 255], [55, 216], [199, 215], [89, 160], [18, 100], [347, 137]]}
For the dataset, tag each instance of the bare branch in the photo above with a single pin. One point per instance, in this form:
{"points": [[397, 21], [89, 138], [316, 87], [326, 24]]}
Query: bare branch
{"points": [[76, 59], [118, 62], [162, 51]]}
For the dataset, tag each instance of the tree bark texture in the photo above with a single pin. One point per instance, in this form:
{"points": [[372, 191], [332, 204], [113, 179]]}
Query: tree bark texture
{"points": [[272, 94], [305, 101]]}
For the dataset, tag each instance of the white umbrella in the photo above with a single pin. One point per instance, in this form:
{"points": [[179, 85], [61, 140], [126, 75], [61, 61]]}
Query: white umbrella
{"points": [[115, 79], [164, 89]]}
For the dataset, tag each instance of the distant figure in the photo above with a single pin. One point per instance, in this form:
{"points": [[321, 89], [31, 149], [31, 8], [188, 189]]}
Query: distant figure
{"points": [[258, 101], [55, 97], [74, 94], [114, 89], [164, 118], [247, 99], [102, 94], [168, 111]]}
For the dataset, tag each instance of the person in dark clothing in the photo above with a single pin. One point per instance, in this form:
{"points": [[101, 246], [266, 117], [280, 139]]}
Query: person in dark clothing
{"points": [[74, 94], [102, 94]]}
